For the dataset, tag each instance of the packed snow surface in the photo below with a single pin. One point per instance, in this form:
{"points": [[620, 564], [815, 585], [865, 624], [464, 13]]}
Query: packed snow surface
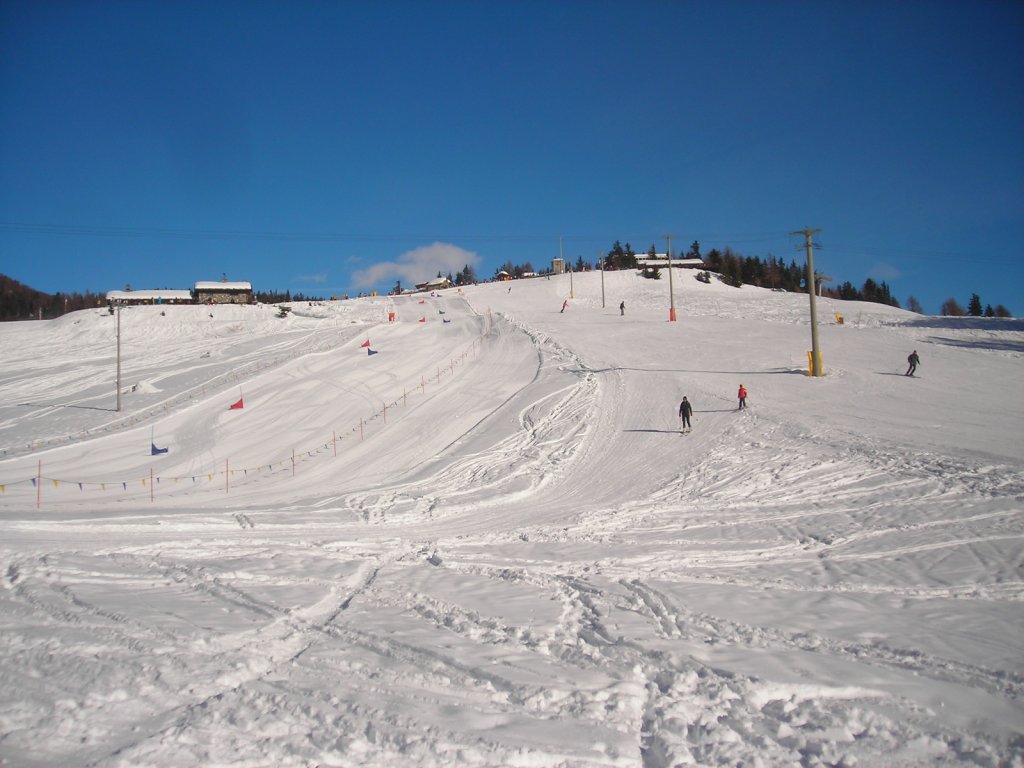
{"points": [[483, 540]]}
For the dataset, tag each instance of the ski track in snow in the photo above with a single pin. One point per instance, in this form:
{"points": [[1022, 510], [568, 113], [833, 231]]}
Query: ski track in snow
{"points": [[531, 581]]}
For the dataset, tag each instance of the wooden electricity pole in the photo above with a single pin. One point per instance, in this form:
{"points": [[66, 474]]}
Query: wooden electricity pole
{"points": [[671, 292]]}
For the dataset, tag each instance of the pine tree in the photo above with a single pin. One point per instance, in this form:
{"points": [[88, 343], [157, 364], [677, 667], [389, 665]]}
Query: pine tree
{"points": [[616, 258], [974, 306], [629, 257], [732, 269], [714, 260], [870, 291]]}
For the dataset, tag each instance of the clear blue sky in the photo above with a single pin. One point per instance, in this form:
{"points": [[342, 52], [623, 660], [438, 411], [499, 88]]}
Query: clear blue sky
{"points": [[333, 147]]}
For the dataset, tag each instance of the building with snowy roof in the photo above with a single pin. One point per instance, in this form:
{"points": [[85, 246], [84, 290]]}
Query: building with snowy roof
{"points": [[434, 285], [661, 260], [162, 296], [223, 292]]}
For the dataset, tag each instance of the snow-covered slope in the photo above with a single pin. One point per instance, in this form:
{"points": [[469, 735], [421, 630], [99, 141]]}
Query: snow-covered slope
{"points": [[488, 543]]}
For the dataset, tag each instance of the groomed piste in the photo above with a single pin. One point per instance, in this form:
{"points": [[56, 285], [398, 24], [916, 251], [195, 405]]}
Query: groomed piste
{"points": [[476, 536]]}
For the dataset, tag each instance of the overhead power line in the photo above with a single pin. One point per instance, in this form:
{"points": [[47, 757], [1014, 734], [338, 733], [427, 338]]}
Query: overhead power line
{"points": [[200, 234], [347, 237]]}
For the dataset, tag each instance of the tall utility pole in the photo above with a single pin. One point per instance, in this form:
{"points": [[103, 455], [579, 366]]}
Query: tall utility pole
{"points": [[671, 292], [811, 291], [600, 258], [562, 257], [118, 359]]}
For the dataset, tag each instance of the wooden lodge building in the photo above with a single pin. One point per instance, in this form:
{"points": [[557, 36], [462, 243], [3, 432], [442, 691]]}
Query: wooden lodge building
{"points": [[223, 292], [204, 292]]}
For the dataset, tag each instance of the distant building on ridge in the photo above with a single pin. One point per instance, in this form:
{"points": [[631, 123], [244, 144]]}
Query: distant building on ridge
{"points": [[164, 296], [223, 292], [434, 285]]}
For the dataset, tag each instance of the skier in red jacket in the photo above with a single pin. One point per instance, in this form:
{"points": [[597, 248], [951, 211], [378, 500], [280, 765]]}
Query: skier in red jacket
{"points": [[742, 395]]}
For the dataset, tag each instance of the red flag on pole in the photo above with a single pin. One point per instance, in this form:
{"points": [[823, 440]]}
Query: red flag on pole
{"points": [[235, 406], [365, 343], [423, 319]]}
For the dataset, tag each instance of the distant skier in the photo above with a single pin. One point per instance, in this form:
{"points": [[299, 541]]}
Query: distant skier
{"points": [[622, 308], [685, 410], [914, 361], [742, 395], [564, 305]]}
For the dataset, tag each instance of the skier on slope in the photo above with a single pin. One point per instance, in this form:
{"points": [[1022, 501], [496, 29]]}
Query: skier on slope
{"points": [[622, 308], [742, 396], [564, 305], [685, 410], [913, 360]]}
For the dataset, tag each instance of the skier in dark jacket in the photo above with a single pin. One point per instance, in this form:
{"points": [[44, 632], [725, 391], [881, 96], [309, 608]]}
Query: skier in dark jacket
{"points": [[914, 361], [685, 410], [622, 308]]}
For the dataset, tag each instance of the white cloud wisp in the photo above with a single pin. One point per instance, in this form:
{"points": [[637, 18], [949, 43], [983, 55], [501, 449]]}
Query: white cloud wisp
{"points": [[416, 266]]}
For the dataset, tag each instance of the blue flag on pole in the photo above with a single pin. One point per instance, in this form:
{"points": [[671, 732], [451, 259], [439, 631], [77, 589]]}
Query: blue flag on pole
{"points": [[370, 351], [154, 450]]}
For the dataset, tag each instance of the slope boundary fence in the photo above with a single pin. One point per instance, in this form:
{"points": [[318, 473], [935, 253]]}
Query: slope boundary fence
{"points": [[222, 473]]}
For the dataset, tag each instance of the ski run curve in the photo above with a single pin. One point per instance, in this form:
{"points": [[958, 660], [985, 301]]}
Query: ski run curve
{"points": [[488, 544]]}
